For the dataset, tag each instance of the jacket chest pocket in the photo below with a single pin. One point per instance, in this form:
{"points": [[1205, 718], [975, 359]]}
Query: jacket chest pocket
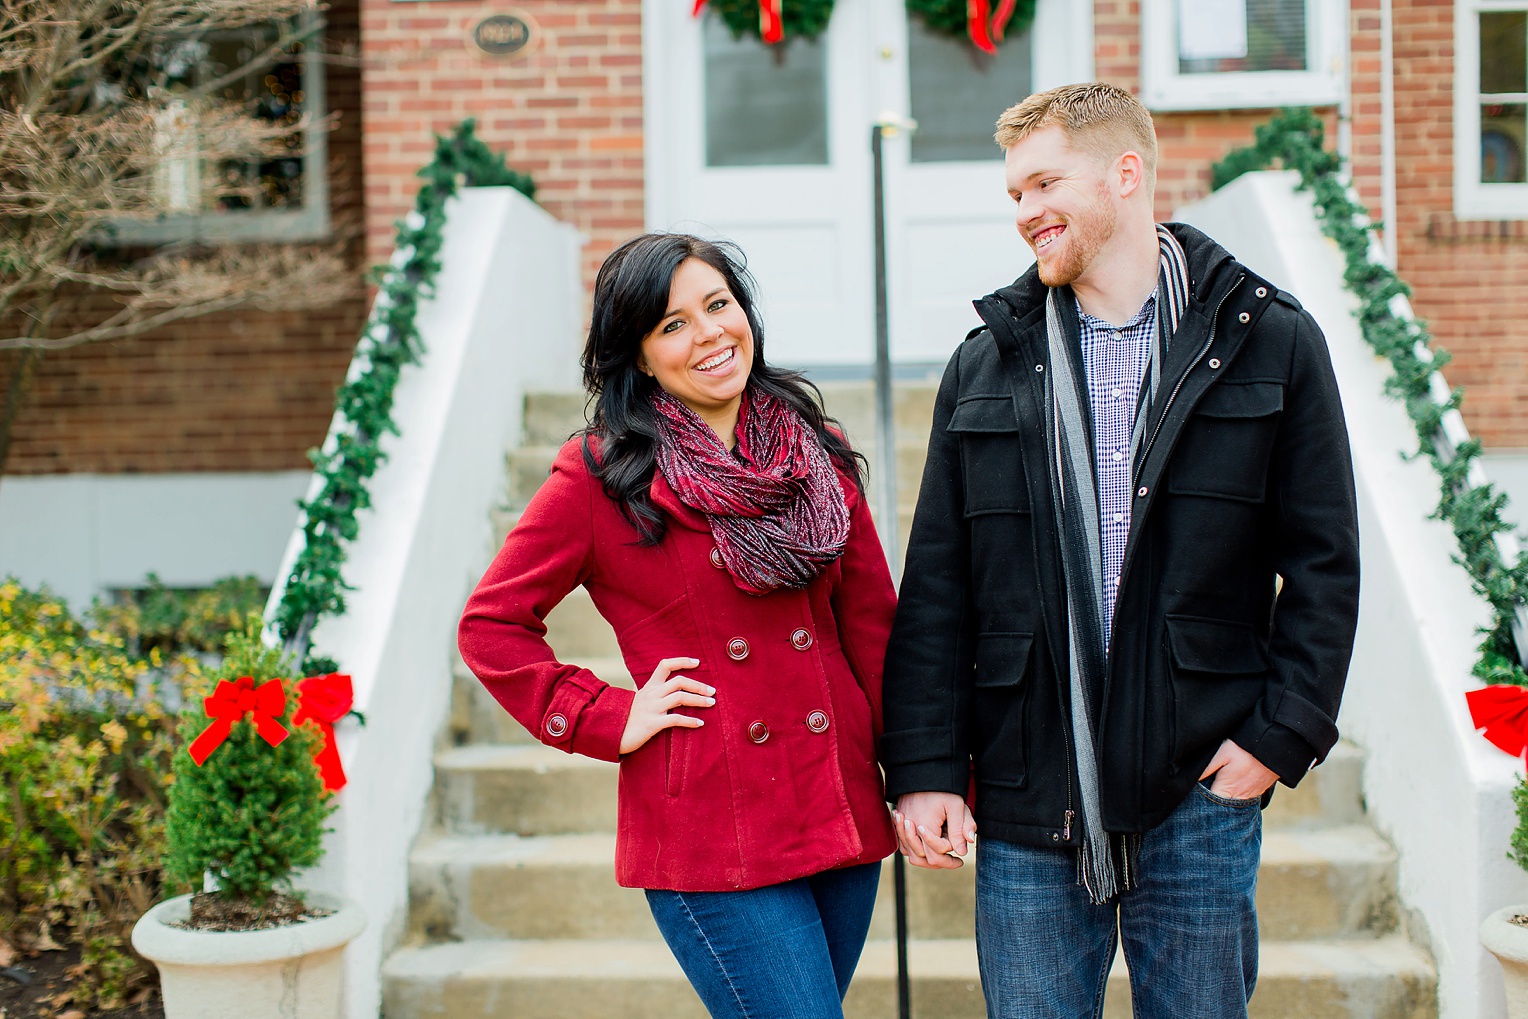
{"points": [[991, 461], [1225, 446]]}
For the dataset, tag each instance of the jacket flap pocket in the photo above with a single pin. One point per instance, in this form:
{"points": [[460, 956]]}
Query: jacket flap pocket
{"points": [[984, 414], [1214, 645], [1244, 400], [1002, 658]]}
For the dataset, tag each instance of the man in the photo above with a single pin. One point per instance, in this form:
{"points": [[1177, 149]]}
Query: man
{"points": [[1131, 587]]}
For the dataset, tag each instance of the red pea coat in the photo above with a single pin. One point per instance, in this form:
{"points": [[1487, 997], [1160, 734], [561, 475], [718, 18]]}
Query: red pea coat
{"points": [[782, 779]]}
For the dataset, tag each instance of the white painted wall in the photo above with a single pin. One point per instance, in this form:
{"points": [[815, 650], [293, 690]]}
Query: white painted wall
{"points": [[505, 318], [85, 534], [1434, 786]]}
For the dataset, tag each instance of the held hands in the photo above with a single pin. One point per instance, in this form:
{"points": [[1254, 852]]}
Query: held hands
{"points": [[1238, 775], [931, 826], [660, 695]]}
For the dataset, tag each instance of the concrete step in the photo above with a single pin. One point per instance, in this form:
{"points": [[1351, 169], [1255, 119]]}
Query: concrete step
{"points": [[577, 631], [639, 979], [477, 718], [524, 790], [1333, 884], [552, 417], [563, 886], [1329, 794]]}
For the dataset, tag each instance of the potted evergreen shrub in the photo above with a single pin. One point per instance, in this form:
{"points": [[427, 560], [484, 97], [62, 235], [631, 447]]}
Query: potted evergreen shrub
{"points": [[246, 808]]}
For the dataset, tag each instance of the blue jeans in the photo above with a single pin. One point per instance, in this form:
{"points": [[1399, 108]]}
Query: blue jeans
{"points": [[1189, 927], [784, 951]]}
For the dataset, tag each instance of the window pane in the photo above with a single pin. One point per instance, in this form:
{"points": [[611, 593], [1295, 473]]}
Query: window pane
{"points": [[273, 91], [1503, 134], [959, 91], [765, 105], [1274, 31], [1504, 52]]}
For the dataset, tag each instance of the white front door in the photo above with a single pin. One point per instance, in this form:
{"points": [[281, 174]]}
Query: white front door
{"points": [[770, 147]]}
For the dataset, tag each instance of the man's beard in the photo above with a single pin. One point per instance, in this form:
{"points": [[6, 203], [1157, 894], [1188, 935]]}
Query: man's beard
{"points": [[1085, 235]]}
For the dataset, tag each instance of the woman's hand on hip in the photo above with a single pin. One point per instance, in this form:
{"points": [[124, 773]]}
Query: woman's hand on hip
{"points": [[651, 710]]}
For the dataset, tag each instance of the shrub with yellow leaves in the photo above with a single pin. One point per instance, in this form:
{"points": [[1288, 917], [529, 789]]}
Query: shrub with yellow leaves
{"points": [[87, 736]]}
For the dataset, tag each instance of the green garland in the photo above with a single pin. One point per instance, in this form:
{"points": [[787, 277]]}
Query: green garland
{"points": [[390, 342], [949, 17], [1295, 138], [805, 18]]}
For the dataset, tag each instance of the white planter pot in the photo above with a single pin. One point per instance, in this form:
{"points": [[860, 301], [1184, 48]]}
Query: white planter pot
{"points": [[1509, 943], [291, 972]]}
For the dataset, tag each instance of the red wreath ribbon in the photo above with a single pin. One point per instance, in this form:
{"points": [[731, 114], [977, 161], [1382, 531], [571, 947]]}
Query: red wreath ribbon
{"points": [[1502, 712], [771, 21], [984, 25], [325, 700], [230, 702]]}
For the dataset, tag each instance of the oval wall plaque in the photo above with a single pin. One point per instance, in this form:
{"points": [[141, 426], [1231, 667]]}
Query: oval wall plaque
{"points": [[506, 34]]}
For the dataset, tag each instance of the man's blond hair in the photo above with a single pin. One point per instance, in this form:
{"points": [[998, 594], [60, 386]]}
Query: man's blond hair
{"points": [[1098, 118]]}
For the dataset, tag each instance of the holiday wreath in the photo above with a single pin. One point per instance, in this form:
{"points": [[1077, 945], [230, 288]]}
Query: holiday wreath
{"points": [[983, 23]]}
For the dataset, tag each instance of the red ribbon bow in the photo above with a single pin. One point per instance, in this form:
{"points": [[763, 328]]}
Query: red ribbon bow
{"points": [[1502, 712], [771, 21], [325, 700], [230, 702], [984, 26]]}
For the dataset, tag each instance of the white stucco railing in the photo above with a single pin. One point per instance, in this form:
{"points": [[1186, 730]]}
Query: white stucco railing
{"points": [[1432, 785], [504, 319]]}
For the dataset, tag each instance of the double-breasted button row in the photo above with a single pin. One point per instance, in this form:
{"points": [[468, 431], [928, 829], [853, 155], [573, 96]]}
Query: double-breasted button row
{"points": [[817, 721], [737, 647], [716, 558], [801, 640]]}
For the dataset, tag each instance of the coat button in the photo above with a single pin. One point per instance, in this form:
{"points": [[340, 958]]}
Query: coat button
{"points": [[758, 732], [801, 640], [817, 721], [1141, 492], [716, 558], [737, 649], [556, 725], [1262, 291], [1214, 363], [1244, 318]]}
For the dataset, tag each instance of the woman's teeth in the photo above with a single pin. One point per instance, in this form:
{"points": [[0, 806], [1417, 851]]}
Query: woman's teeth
{"points": [[716, 361]]}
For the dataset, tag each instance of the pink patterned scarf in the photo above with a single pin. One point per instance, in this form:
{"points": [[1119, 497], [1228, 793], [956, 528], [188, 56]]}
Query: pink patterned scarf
{"points": [[775, 505]]}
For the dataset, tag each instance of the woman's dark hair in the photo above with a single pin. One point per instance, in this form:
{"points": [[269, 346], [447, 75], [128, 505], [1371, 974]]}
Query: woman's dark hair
{"points": [[631, 296]]}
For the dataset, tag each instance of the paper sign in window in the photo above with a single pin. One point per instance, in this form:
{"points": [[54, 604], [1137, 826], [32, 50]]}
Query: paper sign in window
{"points": [[1212, 29]]}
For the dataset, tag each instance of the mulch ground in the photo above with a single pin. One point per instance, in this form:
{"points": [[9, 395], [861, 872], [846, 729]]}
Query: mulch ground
{"points": [[48, 994]]}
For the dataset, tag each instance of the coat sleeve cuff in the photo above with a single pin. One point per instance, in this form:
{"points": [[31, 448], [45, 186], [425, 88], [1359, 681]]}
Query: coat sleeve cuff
{"points": [[1279, 748], [946, 776], [587, 716]]}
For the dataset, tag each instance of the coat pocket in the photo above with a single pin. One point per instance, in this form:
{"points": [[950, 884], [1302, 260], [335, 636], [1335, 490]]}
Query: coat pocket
{"points": [[1000, 711], [990, 458], [1219, 670], [1227, 442]]}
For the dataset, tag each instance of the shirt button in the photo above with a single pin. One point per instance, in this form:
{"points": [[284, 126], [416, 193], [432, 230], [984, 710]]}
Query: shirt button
{"points": [[801, 640], [1119, 518], [1118, 392], [1118, 457], [1118, 336], [716, 558], [737, 649], [758, 732], [817, 721]]}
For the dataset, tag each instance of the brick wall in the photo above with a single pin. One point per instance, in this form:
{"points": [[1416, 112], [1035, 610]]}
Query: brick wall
{"points": [[569, 112], [1470, 280], [244, 391]]}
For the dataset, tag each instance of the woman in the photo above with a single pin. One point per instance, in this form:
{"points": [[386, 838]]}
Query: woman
{"points": [[719, 524]]}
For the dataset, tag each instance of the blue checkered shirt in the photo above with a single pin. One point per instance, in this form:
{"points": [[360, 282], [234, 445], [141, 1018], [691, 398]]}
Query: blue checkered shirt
{"points": [[1115, 360]]}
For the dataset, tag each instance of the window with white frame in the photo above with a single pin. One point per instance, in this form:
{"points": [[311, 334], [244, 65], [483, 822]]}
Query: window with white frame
{"points": [[280, 196], [1491, 110], [1227, 54]]}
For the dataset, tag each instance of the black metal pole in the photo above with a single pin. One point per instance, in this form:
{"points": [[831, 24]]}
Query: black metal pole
{"points": [[886, 468]]}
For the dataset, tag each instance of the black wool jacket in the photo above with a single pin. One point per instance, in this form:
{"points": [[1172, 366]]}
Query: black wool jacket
{"points": [[1238, 597]]}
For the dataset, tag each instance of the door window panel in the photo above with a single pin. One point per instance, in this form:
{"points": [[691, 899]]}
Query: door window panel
{"points": [[958, 92], [1503, 87], [1274, 40], [765, 105]]}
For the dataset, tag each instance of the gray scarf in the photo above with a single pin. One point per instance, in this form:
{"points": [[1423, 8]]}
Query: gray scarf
{"points": [[1105, 866]]}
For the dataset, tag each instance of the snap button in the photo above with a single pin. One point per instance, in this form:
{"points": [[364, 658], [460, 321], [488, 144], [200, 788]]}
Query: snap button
{"points": [[1039, 367], [716, 558], [1244, 318], [1262, 291], [1214, 362], [556, 725], [758, 732], [801, 640], [1141, 492], [817, 721], [737, 649]]}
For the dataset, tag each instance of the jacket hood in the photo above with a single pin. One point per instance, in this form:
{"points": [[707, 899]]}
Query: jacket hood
{"points": [[1208, 265]]}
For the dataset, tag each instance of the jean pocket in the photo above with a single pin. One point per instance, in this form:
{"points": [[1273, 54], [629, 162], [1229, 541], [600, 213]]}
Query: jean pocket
{"points": [[1225, 801]]}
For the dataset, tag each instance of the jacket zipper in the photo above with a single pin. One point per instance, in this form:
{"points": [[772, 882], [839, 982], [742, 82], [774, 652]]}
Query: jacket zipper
{"points": [[1214, 324]]}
